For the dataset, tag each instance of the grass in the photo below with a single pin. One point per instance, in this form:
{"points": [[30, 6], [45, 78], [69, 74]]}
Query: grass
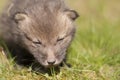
{"points": [[95, 51]]}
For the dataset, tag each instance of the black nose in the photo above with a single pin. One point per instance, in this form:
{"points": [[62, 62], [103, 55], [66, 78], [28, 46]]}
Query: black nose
{"points": [[51, 62]]}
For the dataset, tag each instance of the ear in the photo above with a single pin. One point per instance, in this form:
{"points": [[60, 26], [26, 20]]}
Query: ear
{"points": [[72, 14], [20, 17], [23, 20]]}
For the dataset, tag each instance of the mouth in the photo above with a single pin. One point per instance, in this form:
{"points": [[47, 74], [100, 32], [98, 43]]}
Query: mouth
{"points": [[50, 66]]}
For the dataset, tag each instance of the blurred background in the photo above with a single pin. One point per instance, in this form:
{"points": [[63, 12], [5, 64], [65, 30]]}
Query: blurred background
{"points": [[98, 9], [97, 12]]}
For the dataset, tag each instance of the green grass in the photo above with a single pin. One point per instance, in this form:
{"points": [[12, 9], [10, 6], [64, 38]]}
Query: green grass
{"points": [[95, 51]]}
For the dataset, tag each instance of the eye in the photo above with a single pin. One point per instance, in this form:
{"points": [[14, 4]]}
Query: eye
{"points": [[60, 39], [37, 42], [34, 41]]}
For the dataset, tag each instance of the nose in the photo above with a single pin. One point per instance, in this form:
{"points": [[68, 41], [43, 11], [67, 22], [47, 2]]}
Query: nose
{"points": [[51, 62]]}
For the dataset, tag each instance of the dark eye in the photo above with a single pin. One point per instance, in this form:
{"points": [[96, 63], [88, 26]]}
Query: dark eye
{"points": [[37, 42], [60, 39]]}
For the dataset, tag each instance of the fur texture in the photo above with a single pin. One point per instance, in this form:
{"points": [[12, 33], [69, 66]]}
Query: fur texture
{"points": [[38, 29]]}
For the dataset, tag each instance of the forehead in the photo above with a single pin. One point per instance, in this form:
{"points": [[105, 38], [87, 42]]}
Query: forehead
{"points": [[48, 21], [50, 26]]}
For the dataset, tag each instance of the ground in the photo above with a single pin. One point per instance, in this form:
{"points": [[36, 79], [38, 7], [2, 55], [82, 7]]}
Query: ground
{"points": [[94, 53]]}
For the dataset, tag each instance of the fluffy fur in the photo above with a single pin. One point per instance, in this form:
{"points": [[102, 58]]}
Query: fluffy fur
{"points": [[39, 29]]}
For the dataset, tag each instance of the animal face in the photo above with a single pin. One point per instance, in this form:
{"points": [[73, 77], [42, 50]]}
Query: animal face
{"points": [[48, 36]]}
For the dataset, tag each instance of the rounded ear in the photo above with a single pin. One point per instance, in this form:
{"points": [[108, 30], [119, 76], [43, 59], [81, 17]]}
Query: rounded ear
{"points": [[72, 14], [20, 17]]}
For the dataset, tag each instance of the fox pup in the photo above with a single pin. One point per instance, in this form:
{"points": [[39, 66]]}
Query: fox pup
{"points": [[39, 29]]}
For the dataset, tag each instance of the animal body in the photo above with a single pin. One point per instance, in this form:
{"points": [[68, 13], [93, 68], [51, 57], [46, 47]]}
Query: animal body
{"points": [[38, 29]]}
